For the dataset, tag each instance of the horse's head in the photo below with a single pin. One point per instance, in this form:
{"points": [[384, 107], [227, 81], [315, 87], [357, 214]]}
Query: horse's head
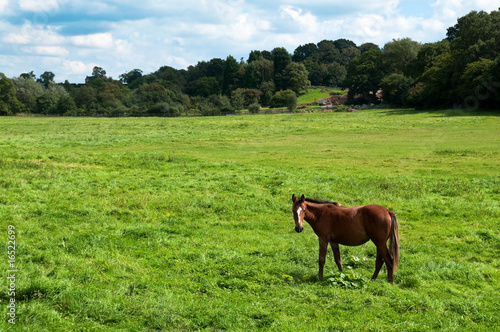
{"points": [[298, 209]]}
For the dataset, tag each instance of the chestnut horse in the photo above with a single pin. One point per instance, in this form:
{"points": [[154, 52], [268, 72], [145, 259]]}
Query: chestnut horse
{"points": [[350, 226]]}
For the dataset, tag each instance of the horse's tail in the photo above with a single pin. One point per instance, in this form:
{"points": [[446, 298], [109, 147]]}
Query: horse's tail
{"points": [[394, 241]]}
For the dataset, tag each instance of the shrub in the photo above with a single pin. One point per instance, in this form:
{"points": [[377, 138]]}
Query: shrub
{"points": [[283, 99], [254, 108], [291, 102], [242, 98], [174, 111], [160, 109], [164, 109]]}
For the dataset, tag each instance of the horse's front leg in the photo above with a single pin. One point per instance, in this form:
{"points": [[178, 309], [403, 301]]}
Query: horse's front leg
{"points": [[336, 255], [323, 246]]}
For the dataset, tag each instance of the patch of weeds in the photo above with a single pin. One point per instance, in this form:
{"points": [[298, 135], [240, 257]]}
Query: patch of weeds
{"points": [[310, 278], [347, 280], [355, 262], [342, 279], [286, 278]]}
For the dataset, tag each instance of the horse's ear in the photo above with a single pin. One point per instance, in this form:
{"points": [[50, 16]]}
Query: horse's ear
{"points": [[294, 199], [302, 198]]}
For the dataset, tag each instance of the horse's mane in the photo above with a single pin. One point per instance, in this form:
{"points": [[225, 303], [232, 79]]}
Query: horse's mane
{"points": [[322, 201]]}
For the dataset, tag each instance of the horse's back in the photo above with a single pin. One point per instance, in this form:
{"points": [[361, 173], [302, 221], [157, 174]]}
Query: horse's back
{"points": [[375, 210]]}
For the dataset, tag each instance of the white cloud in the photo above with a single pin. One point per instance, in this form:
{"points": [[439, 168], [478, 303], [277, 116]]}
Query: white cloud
{"points": [[97, 40], [30, 34], [4, 7], [38, 6], [222, 9], [46, 50], [76, 68], [447, 10], [488, 5], [97, 7], [303, 20]]}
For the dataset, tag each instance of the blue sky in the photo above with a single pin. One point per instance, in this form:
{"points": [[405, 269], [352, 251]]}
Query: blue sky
{"points": [[70, 37]]}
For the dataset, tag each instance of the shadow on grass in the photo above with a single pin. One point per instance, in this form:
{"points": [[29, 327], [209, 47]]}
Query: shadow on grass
{"points": [[443, 112]]}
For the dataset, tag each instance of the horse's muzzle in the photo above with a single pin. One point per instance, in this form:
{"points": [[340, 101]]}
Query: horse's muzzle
{"points": [[299, 229]]}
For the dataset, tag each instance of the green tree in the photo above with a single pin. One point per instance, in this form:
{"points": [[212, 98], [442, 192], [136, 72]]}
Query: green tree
{"points": [[342, 44], [85, 98], [153, 93], [267, 89], [9, 104], [462, 75], [480, 84], [296, 77], [399, 53], [171, 78], [335, 74], [253, 56], [327, 52], [426, 56], [476, 35], [229, 79], [395, 86], [46, 78], [27, 90], [317, 71], [252, 78], [364, 74], [349, 54], [265, 69], [28, 75], [368, 46], [132, 78], [281, 59], [65, 105], [108, 92], [307, 51], [98, 72], [46, 103], [438, 86], [205, 87]]}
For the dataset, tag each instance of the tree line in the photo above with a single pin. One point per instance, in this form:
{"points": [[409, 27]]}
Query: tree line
{"points": [[460, 71]]}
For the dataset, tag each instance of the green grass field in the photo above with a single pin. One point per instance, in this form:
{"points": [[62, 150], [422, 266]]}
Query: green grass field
{"points": [[313, 95], [178, 224]]}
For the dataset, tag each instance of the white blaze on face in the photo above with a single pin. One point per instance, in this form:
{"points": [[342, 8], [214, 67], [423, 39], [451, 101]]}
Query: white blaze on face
{"points": [[299, 210]]}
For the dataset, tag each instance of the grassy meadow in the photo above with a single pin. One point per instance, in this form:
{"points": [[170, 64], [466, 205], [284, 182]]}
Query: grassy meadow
{"points": [[315, 94], [179, 224]]}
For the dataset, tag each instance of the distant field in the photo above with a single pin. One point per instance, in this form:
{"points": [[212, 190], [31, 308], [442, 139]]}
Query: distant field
{"points": [[181, 224], [313, 95]]}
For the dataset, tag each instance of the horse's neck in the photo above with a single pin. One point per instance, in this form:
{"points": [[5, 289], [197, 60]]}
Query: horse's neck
{"points": [[313, 212]]}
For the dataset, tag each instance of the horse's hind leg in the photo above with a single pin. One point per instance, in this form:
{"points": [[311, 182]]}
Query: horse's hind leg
{"points": [[383, 255], [389, 262], [378, 265], [336, 255]]}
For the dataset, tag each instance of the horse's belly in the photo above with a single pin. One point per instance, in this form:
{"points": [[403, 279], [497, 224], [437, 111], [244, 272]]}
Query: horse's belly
{"points": [[351, 240]]}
